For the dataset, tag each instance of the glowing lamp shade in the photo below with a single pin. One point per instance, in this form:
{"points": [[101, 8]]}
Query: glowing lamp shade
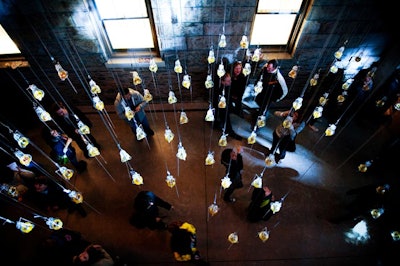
{"points": [[124, 156], [137, 179], [209, 115], [334, 69], [76, 197], [186, 81], [363, 167], [210, 158], [226, 182], [222, 102], [381, 102], [346, 85], [42, 114], [183, 119], [24, 159], [140, 134], [293, 72], [339, 53], [209, 83], [330, 131], [94, 88], [233, 238], [276, 206], [54, 223], [341, 97], [171, 97], [297, 103], [37, 93], [136, 78], [256, 55], [83, 128], [261, 121], [147, 95], [323, 99], [314, 80], [92, 150], [221, 70], [270, 161], [222, 142], [376, 213], [213, 209], [129, 114], [252, 138], [211, 56], [181, 154], [178, 67], [258, 87], [317, 113], [97, 103], [168, 135], [263, 235], [24, 225], [153, 66], [246, 70], [66, 173], [257, 182], [287, 123], [244, 42], [222, 41], [395, 235], [9, 189], [397, 106], [171, 182], [20, 139], [62, 74]]}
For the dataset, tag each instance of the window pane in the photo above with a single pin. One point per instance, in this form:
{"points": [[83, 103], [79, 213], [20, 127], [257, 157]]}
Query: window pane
{"points": [[278, 34], [7, 46], [121, 9], [283, 6], [129, 33]]}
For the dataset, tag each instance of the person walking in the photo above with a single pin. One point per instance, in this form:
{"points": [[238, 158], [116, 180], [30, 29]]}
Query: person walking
{"points": [[260, 205], [233, 162]]}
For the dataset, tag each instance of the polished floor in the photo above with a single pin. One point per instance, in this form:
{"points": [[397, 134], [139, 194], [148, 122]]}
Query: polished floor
{"points": [[324, 195]]}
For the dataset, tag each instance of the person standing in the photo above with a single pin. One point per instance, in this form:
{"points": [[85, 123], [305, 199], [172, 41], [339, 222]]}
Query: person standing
{"points": [[238, 87], [233, 162], [260, 205], [134, 100]]}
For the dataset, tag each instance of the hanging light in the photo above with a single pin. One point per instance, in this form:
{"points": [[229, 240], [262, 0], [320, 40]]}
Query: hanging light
{"points": [[323, 99], [171, 182], [221, 70], [171, 97], [222, 41], [147, 95], [297, 103], [124, 156], [75, 196], [137, 80], [140, 134], [97, 103], [222, 102], [261, 121], [395, 235], [341, 97], [244, 42], [314, 80], [270, 161], [339, 53], [363, 167], [258, 88], [20, 139], [65, 172], [381, 102], [317, 113], [24, 225], [153, 66], [252, 138], [276, 206], [168, 135], [233, 238], [293, 72], [209, 83], [211, 56], [54, 223], [210, 158], [226, 182], [92, 150], [222, 142], [129, 114], [213, 209], [287, 123], [256, 55], [376, 213], [334, 69], [186, 81], [263, 235], [178, 67], [62, 73], [181, 154], [347, 84], [330, 131], [257, 182], [43, 115], [94, 88], [24, 159], [9, 189], [183, 119], [247, 69], [83, 128], [210, 115], [382, 189], [37, 93], [137, 179]]}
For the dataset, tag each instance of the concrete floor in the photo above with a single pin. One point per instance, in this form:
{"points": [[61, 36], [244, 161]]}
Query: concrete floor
{"points": [[309, 230]]}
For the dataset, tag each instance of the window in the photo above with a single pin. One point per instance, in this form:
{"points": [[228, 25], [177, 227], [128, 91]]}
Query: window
{"points": [[277, 24], [7, 45]]}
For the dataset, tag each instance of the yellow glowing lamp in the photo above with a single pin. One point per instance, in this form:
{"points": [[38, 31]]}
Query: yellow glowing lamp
{"points": [[341, 97], [263, 235], [246, 70], [210, 115], [252, 138], [314, 80], [334, 69], [136, 78], [129, 114], [42, 114], [256, 55], [153, 66], [317, 113], [178, 67], [222, 102], [92, 150], [137, 179], [376, 213], [209, 83], [124, 156], [287, 123], [211, 56], [20, 139], [339, 53], [181, 154], [276, 206], [222, 142], [140, 134], [37, 93], [323, 99], [257, 182], [330, 131], [147, 95], [213, 209], [62, 73], [346, 85], [364, 166], [381, 102], [397, 106], [171, 97], [382, 189], [210, 158], [222, 41], [261, 121], [270, 161], [66, 173], [24, 159], [258, 87], [94, 88], [221, 70], [168, 135], [226, 182], [75, 196], [97, 103], [54, 223], [186, 81], [244, 42], [183, 119], [24, 225], [10, 190], [171, 182], [395, 235], [297, 103], [83, 129], [293, 72], [233, 238]]}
